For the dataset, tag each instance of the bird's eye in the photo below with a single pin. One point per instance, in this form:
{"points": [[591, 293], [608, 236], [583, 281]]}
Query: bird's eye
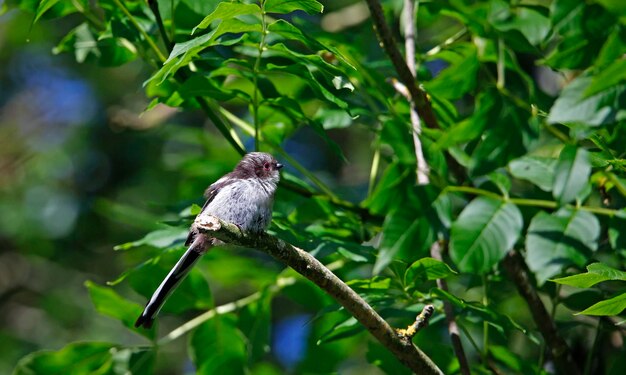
{"points": [[266, 166]]}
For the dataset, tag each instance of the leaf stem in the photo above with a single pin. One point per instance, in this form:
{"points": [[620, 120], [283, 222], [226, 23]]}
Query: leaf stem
{"points": [[530, 202], [485, 351], [501, 65], [374, 170], [592, 350], [255, 71], [143, 32], [221, 310]]}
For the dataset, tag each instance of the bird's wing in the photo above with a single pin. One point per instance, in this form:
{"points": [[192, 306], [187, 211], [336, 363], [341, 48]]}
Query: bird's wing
{"points": [[210, 193]]}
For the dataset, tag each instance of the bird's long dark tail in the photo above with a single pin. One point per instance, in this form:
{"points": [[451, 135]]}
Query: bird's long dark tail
{"points": [[171, 281]]}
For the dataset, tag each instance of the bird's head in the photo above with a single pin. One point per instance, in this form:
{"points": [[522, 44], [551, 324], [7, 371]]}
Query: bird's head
{"points": [[260, 165]]}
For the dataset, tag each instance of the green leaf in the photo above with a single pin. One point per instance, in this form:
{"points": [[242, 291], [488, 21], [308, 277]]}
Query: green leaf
{"points": [[381, 357], [503, 323], [596, 273], [572, 172], [483, 233], [473, 126], [162, 238], [218, 347], [408, 231], [574, 107], [460, 76], [80, 358], [609, 76], [225, 11], [342, 330], [255, 322], [135, 360], [43, 7], [609, 307], [581, 300], [288, 6], [512, 360], [560, 240], [192, 293], [617, 233], [536, 169], [617, 7], [529, 21], [311, 77], [108, 302], [426, 269], [183, 53]]}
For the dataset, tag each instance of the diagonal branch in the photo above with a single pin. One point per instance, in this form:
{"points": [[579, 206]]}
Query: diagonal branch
{"points": [[453, 328], [560, 352], [305, 264]]}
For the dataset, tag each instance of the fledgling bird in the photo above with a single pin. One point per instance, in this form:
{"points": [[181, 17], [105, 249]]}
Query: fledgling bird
{"points": [[243, 197]]}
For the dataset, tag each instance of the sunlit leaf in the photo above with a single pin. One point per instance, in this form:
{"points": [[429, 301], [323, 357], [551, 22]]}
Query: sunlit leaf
{"points": [[483, 233], [559, 240], [80, 358], [571, 174], [536, 169], [161, 238], [109, 303], [288, 6], [427, 269], [596, 273], [217, 346], [604, 107], [227, 10], [609, 307]]}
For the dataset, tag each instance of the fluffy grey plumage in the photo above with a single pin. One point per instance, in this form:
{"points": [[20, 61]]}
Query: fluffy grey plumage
{"points": [[243, 197]]}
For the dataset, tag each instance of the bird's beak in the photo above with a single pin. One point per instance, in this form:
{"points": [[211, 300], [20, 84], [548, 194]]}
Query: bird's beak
{"points": [[279, 166]]}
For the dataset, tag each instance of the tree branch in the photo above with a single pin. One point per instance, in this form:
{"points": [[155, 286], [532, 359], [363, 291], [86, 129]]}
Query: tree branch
{"points": [[421, 169], [453, 328], [305, 264], [516, 267], [421, 321], [422, 103]]}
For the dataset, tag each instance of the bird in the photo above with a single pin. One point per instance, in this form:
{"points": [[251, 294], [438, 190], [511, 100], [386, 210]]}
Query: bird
{"points": [[243, 197]]}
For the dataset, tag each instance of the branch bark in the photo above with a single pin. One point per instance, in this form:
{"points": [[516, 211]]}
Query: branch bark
{"points": [[422, 103], [453, 328], [305, 264], [421, 169], [560, 352]]}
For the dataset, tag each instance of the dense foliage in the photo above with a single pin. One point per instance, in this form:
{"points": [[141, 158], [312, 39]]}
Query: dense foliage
{"points": [[528, 157]]}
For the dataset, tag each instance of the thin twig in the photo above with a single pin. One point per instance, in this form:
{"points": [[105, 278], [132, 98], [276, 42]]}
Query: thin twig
{"points": [[421, 169], [255, 80], [305, 264], [141, 31], [559, 351], [223, 309], [453, 328], [421, 321]]}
